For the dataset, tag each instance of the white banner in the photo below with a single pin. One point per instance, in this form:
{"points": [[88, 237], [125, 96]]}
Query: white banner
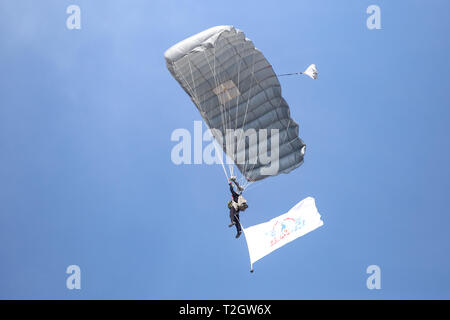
{"points": [[266, 237]]}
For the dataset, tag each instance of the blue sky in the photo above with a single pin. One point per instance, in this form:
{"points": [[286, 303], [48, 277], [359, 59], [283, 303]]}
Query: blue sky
{"points": [[86, 176]]}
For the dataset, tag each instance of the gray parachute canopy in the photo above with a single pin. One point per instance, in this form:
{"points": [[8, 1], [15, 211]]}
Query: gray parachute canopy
{"points": [[234, 87]]}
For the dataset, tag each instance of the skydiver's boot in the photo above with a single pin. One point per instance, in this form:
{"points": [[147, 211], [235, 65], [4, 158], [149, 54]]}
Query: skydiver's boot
{"points": [[238, 234], [231, 224]]}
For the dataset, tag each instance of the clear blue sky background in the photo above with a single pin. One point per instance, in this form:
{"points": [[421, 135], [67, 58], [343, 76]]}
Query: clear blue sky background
{"points": [[86, 176]]}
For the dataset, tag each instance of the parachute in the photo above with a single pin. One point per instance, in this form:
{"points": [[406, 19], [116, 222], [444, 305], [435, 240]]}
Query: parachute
{"points": [[239, 97]]}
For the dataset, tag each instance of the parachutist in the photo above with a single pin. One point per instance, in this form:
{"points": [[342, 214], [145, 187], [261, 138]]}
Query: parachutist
{"points": [[218, 68], [236, 205]]}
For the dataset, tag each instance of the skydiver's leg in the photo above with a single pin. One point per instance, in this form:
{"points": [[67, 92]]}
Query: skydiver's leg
{"points": [[232, 218], [238, 224]]}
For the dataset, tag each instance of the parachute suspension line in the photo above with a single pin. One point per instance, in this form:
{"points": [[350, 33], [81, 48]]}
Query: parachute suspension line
{"points": [[246, 107], [221, 105], [289, 74], [247, 184], [239, 59], [227, 114], [238, 86], [184, 79], [221, 160], [193, 81], [218, 80], [193, 93], [219, 153], [252, 185], [191, 90], [216, 84]]}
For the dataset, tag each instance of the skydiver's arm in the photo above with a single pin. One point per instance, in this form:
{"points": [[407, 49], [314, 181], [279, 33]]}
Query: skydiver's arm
{"points": [[238, 186], [232, 191]]}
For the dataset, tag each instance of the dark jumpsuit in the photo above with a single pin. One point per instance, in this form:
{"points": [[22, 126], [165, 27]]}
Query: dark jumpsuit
{"points": [[234, 214]]}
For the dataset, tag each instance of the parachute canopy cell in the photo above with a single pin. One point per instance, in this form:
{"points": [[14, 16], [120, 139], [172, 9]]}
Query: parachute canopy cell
{"points": [[234, 87]]}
